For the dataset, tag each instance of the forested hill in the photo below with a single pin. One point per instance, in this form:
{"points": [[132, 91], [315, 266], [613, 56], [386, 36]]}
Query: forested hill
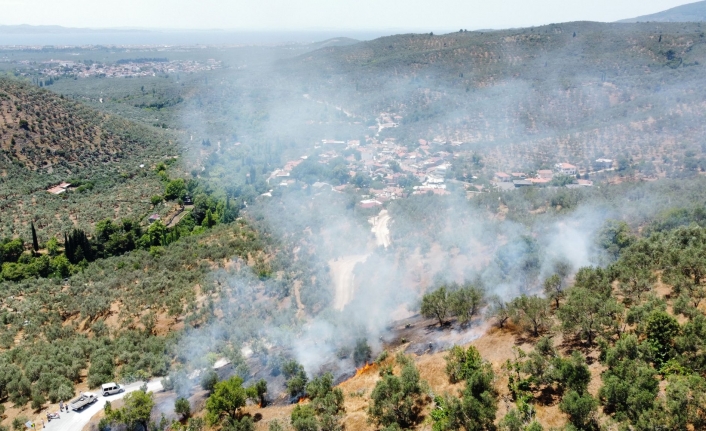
{"points": [[692, 12], [42, 131], [528, 94], [46, 139]]}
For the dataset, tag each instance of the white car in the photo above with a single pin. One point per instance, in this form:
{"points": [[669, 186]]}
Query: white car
{"points": [[82, 401], [111, 388]]}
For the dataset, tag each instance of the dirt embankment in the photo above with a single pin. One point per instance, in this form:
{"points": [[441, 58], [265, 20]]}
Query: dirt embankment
{"points": [[494, 345], [342, 268]]}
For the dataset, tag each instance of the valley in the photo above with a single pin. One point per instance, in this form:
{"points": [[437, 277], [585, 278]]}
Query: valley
{"points": [[475, 230]]}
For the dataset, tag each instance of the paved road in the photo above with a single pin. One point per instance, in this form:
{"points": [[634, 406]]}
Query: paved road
{"points": [[75, 421]]}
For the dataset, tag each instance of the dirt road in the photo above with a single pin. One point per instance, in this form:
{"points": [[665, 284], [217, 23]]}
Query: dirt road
{"points": [[177, 218], [75, 421], [342, 271], [381, 229]]}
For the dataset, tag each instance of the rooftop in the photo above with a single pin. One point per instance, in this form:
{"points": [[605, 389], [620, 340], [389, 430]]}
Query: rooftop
{"points": [[565, 166]]}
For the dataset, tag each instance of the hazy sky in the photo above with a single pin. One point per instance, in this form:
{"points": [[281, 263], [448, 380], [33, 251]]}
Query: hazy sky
{"points": [[321, 14]]}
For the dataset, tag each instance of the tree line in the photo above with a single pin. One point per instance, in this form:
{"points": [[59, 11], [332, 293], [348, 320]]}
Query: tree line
{"points": [[617, 313]]}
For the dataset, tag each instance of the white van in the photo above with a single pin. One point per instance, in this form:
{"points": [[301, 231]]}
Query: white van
{"points": [[111, 388]]}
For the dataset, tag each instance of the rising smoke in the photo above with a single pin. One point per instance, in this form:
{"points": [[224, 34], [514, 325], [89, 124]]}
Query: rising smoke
{"points": [[522, 109]]}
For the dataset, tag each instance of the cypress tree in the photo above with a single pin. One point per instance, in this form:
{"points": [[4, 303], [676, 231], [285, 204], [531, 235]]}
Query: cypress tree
{"points": [[35, 242], [68, 248]]}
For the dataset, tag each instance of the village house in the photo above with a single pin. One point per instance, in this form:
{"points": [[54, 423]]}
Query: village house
{"points": [[434, 180], [603, 163], [545, 174], [61, 188], [432, 162], [365, 153], [565, 168], [439, 170], [502, 177], [540, 181], [370, 203]]}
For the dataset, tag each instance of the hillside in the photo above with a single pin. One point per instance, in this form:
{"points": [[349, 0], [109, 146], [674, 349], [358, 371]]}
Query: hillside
{"points": [[338, 41], [692, 12], [607, 348], [115, 317], [263, 280], [522, 99], [42, 131], [46, 139], [527, 97]]}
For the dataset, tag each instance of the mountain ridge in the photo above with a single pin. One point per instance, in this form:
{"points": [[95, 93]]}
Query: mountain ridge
{"points": [[692, 12]]}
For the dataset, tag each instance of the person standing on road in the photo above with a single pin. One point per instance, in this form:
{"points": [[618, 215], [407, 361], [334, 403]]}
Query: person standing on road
{"points": [[61, 405]]}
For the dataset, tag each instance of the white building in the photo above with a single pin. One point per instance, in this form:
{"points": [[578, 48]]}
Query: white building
{"points": [[565, 168], [604, 163]]}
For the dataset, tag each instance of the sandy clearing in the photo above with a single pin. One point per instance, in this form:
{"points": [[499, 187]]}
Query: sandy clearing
{"points": [[342, 271]]}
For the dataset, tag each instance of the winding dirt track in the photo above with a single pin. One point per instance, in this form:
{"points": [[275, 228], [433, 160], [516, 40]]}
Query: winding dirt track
{"points": [[342, 270], [381, 229]]}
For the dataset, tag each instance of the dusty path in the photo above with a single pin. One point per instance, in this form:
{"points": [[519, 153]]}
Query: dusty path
{"points": [[297, 296], [381, 229], [177, 218], [75, 421], [342, 271]]}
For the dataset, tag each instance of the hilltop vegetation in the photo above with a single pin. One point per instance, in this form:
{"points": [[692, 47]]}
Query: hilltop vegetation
{"points": [[46, 139], [529, 97], [43, 131], [117, 315], [642, 317], [523, 99], [609, 348], [247, 275], [692, 12]]}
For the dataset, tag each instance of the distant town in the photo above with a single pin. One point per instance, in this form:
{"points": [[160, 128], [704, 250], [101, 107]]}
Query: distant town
{"points": [[121, 69], [396, 171]]}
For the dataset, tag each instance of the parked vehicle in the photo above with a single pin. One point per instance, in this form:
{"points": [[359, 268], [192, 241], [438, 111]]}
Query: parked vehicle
{"points": [[111, 388], [82, 401]]}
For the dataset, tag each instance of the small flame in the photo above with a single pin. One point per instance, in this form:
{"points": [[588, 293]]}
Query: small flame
{"points": [[360, 371], [363, 369], [302, 400]]}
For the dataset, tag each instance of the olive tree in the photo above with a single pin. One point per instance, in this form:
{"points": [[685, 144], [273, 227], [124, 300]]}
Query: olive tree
{"points": [[436, 304]]}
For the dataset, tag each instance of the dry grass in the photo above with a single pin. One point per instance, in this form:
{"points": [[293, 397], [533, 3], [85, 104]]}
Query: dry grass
{"points": [[495, 346]]}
